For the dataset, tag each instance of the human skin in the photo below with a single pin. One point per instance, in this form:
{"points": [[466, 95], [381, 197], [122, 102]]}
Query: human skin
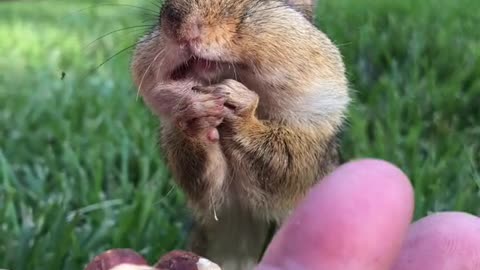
{"points": [[359, 218]]}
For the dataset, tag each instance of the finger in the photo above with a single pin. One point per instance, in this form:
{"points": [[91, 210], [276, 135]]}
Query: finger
{"points": [[208, 102], [442, 242], [202, 125], [195, 110], [203, 89], [209, 90], [356, 218], [221, 90], [206, 122], [229, 114]]}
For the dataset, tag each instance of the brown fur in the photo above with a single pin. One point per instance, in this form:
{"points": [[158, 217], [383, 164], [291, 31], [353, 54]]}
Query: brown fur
{"points": [[306, 7], [277, 98]]}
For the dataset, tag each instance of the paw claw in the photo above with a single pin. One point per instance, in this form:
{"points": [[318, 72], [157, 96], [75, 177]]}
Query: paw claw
{"points": [[197, 88]]}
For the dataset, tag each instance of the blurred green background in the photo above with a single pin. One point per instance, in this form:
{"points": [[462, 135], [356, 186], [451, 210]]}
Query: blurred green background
{"points": [[79, 169]]}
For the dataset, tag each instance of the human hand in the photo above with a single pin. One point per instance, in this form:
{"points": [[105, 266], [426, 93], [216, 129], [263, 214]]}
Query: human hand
{"points": [[359, 218]]}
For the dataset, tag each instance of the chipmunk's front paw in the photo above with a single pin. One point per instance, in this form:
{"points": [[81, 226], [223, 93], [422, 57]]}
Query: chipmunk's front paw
{"points": [[199, 114], [240, 103]]}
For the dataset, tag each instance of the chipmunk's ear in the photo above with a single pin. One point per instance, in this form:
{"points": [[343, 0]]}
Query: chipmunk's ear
{"points": [[306, 7]]}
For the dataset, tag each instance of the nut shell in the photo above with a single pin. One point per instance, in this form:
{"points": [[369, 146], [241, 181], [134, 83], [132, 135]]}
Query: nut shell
{"points": [[178, 260], [183, 260], [118, 259]]}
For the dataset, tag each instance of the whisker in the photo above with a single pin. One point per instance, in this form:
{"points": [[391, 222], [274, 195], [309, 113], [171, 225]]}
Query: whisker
{"points": [[146, 71], [117, 5], [344, 44], [118, 30], [155, 4], [160, 64], [234, 72], [170, 191], [163, 200], [116, 54], [154, 18], [111, 57]]}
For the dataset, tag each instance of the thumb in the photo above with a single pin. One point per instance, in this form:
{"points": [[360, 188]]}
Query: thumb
{"points": [[356, 218]]}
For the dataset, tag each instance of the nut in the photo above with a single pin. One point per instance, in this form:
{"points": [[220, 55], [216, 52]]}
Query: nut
{"points": [[119, 259], [126, 259], [183, 260]]}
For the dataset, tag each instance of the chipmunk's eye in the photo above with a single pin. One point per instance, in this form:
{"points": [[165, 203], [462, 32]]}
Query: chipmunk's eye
{"points": [[172, 14]]}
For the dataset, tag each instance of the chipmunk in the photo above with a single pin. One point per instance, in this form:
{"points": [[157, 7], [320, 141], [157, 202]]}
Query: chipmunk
{"points": [[251, 97]]}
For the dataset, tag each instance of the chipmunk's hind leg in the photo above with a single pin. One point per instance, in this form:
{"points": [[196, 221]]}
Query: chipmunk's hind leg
{"points": [[272, 230]]}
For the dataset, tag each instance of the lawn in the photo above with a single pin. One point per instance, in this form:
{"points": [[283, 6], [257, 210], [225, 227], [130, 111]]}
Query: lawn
{"points": [[79, 167]]}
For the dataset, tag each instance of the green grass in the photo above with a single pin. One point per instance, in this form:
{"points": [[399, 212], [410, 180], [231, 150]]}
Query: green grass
{"points": [[79, 168]]}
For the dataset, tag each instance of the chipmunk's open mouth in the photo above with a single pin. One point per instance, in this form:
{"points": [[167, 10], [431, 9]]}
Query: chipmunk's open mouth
{"points": [[195, 65]]}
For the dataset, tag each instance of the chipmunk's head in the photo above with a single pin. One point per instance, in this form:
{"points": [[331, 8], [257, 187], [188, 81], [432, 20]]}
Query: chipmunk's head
{"points": [[214, 36]]}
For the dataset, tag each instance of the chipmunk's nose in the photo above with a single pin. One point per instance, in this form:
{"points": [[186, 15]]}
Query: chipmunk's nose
{"points": [[184, 28], [190, 32]]}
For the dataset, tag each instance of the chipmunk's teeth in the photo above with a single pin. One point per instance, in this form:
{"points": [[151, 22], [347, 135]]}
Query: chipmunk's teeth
{"points": [[194, 63]]}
